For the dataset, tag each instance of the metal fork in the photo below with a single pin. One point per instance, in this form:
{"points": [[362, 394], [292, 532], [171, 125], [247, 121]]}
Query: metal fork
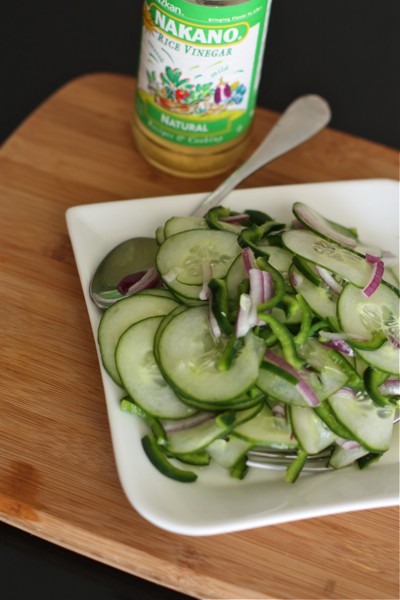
{"points": [[278, 460]]}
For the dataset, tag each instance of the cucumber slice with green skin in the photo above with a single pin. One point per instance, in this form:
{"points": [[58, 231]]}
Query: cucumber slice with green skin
{"points": [[239, 403], [228, 452], [180, 308], [123, 314], [337, 259], [327, 377], [264, 429], [188, 358], [274, 383], [311, 432], [320, 299], [342, 457], [201, 436], [323, 227], [327, 415], [235, 275], [371, 425], [181, 257], [331, 375], [365, 318], [391, 276], [329, 230], [386, 358], [141, 376], [160, 237], [178, 224]]}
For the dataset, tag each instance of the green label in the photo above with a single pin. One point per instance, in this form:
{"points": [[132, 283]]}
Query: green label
{"points": [[199, 69]]}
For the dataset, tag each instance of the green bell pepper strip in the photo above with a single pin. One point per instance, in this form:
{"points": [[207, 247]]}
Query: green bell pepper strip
{"points": [[267, 233], [285, 339], [158, 458], [277, 281], [306, 320], [373, 378], [128, 405], [220, 304], [368, 459], [307, 270], [240, 469], [231, 350], [294, 469]]}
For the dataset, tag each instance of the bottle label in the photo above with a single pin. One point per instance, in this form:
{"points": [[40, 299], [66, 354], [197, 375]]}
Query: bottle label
{"points": [[199, 69]]}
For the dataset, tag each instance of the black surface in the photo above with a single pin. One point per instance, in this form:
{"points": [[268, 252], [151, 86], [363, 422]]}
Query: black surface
{"points": [[345, 50], [33, 569]]}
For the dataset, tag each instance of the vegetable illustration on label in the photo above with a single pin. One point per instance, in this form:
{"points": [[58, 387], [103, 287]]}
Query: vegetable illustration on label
{"points": [[199, 69]]}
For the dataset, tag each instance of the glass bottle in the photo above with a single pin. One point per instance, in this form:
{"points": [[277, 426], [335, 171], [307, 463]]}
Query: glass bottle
{"points": [[199, 70]]}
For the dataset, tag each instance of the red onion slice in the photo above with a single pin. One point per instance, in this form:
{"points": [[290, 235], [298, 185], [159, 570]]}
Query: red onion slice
{"points": [[247, 316], [235, 218], [249, 260], [207, 275], [261, 286], [303, 387], [377, 274], [279, 410], [137, 282], [329, 279], [390, 387], [347, 444], [394, 341], [311, 218], [341, 346]]}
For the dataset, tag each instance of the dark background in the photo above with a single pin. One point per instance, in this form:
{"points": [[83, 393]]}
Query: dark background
{"points": [[345, 50]]}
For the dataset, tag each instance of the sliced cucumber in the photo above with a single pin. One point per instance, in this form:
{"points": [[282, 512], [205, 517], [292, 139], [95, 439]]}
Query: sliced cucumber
{"points": [[235, 275], [178, 224], [120, 316], [371, 425], [264, 429], [311, 432], [386, 358], [343, 457], [141, 376], [363, 318], [323, 227], [273, 382], [181, 258], [201, 436], [331, 256], [188, 358], [331, 376], [228, 452], [320, 298]]}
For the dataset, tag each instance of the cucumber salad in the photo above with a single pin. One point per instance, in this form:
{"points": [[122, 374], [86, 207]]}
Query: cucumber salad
{"points": [[250, 332]]}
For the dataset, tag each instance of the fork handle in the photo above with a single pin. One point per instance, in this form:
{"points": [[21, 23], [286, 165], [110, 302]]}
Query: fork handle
{"points": [[303, 118]]}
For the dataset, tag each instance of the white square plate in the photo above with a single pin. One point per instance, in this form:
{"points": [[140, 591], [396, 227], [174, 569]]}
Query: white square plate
{"points": [[216, 503]]}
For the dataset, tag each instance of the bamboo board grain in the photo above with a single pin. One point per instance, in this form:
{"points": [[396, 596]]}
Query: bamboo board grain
{"points": [[57, 474]]}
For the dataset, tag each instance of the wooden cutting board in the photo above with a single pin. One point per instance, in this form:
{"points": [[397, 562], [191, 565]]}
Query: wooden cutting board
{"points": [[57, 473]]}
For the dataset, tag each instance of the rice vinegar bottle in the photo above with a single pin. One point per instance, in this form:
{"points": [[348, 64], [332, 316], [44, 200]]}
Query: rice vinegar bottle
{"points": [[199, 70]]}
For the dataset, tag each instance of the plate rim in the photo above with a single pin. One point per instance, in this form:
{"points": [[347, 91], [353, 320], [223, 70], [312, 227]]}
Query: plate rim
{"points": [[73, 215]]}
